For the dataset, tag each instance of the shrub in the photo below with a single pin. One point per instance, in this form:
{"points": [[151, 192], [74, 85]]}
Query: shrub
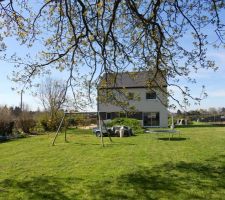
{"points": [[72, 122], [6, 121], [6, 128], [132, 123], [27, 125], [81, 120], [26, 122], [50, 123]]}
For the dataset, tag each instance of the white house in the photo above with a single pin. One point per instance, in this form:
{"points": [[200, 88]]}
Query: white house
{"points": [[132, 94]]}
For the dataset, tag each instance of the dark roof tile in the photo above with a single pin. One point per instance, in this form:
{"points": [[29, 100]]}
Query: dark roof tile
{"points": [[131, 80]]}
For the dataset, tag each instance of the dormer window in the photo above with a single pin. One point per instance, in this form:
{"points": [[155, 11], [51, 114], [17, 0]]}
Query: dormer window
{"points": [[151, 95]]}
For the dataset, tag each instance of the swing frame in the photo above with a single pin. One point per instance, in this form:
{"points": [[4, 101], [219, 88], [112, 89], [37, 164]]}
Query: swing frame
{"points": [[100, 124]]}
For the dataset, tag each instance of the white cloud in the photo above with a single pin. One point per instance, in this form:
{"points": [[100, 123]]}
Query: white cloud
{"points": [[217, 54], [218, 93]]}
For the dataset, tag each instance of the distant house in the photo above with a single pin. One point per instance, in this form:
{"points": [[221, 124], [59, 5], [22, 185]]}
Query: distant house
{"points": [[132, 94]]}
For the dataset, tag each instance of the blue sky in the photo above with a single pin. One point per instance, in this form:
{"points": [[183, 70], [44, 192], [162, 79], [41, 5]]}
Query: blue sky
{"points": [[214, 81]]}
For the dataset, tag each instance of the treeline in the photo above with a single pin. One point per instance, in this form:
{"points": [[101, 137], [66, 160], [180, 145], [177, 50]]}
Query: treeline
{"points": [[14, 121], [203, 115]]}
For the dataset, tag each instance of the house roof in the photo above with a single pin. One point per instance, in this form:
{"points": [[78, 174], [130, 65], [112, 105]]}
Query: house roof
{"points": [[132, 80]]}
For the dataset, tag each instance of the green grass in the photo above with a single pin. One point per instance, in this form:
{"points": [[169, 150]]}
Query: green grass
{"points": [[139, 167]]}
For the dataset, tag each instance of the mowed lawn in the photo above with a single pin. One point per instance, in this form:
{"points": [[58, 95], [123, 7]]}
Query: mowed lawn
{"points": [[146, 166]]}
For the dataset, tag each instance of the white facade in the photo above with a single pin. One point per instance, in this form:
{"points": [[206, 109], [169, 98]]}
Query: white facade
{"points": [[149, 108]]}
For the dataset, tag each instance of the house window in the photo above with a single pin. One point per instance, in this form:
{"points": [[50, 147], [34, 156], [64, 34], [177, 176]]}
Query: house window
{"points": [[151, 95], [102, 115], [108, 116], [151, 119], [131, 96]]}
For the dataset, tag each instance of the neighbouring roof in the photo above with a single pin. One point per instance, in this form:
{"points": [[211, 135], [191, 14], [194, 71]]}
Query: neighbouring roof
{"points": [[132, 80]]}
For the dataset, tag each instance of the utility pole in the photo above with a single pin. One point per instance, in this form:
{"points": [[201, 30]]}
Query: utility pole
{"points": [[21, 100]]}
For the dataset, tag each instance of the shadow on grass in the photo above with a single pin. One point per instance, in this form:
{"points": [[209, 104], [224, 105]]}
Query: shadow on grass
{"points": [[106, 143], [12, 139], [4, 140], [123, 143], [170, 181], [106, 140], [181, 180], [87, 144], [172, 138], [43, 187]]}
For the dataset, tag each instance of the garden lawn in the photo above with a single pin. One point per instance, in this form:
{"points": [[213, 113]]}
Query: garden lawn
{"points": [[146, 166]]}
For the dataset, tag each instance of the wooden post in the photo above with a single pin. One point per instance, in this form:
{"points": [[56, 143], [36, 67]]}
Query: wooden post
{"points": [[100, 128], [57, 132], [21, 100], [65, 134]]}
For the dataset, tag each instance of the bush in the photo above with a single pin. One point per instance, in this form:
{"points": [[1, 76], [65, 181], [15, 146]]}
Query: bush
{"points": [[48, 123], [27, 125], [71, 122], [80, 120], [132, 123], [6, 128], [26, 122], [6, 121]]}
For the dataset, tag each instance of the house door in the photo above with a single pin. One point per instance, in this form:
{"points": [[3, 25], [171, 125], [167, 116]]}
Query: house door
{"points": [[151, 119]]}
